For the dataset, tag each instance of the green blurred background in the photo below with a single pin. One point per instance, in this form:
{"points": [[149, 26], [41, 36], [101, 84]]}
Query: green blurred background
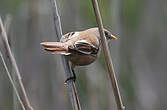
{"points": [[139, 55]]}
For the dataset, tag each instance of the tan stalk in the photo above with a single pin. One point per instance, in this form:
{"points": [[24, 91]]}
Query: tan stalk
{"points": [[13, 62], [108, 59]]}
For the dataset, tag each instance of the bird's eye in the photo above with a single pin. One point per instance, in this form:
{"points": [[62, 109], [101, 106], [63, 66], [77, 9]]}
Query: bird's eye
{"points": [[72, 33], [106, 33]]}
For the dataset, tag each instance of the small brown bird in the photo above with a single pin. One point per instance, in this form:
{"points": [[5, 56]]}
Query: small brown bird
{"points": [[80, 48]]}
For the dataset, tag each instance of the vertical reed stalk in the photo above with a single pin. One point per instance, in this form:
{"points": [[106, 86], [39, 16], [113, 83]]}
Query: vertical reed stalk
{"points": [[12, 82], [107, 57], [71, 85], [13, 62]]}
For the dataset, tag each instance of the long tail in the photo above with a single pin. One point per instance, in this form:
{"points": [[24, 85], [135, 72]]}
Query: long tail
{"points": [[55, 47]]}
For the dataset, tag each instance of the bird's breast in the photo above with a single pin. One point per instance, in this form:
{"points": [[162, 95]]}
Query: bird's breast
{"points": [[81, 60]]}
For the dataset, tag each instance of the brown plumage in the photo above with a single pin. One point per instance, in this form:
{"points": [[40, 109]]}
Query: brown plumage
{"points": [[80, 48]]}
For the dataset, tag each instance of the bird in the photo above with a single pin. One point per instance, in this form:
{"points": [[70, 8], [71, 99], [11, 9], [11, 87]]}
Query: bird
{"points": [[80, 47]]}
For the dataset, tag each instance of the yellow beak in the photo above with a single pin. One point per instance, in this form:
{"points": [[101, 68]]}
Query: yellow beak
{"points": [[113, 37]]}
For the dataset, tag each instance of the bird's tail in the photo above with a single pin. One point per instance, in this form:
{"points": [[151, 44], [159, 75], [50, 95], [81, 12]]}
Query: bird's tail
{"points": [[55, 47]]}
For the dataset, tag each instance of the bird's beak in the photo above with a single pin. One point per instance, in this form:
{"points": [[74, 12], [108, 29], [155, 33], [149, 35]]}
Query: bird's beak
{"points": [[112, 37]]}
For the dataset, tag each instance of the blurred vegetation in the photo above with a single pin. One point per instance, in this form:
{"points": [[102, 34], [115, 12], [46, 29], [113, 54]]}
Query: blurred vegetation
{"points": [[138, 55]]}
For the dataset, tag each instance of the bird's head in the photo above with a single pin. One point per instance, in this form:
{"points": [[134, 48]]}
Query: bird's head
{"points": [[108, 35]]}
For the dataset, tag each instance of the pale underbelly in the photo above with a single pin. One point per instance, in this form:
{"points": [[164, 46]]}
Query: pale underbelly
{"points": [[81, 60]]}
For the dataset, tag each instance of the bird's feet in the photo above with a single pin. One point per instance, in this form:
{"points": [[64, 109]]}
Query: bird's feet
{"points": [[72, 78]]}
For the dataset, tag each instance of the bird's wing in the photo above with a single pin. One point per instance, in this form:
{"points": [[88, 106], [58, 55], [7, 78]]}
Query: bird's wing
{"points": [[83, 47], [69, 36]]}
